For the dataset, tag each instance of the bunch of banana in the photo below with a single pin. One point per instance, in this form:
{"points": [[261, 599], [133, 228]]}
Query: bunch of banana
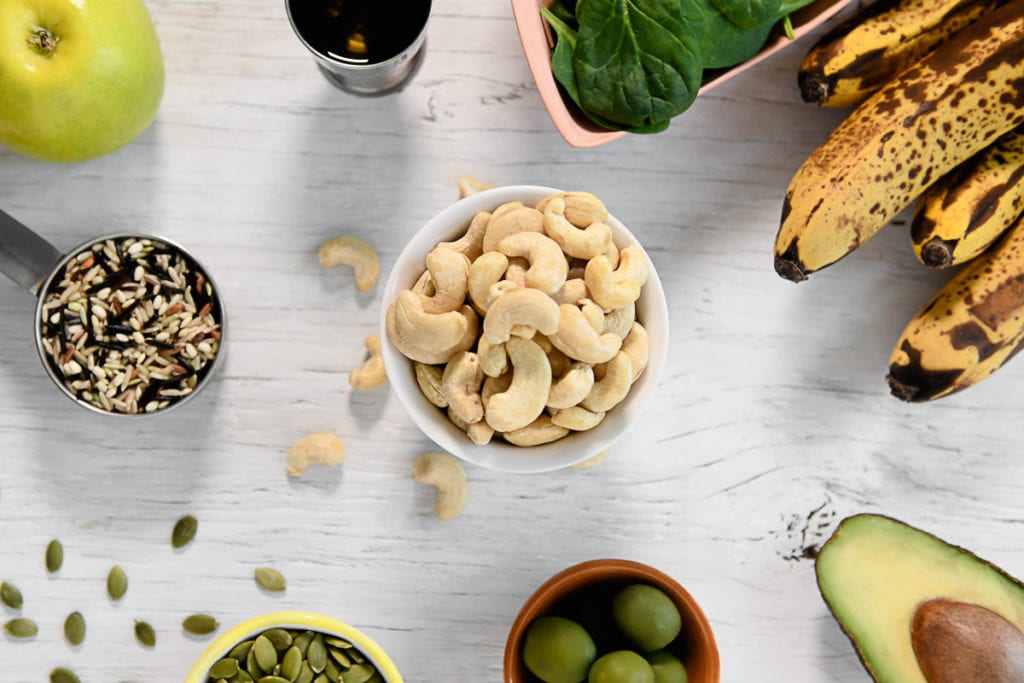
{"points": [[934, 115], [864, 53], [968, 209]]}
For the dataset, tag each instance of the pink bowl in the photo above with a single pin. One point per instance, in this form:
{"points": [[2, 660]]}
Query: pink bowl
{"points": [[575, 127]]}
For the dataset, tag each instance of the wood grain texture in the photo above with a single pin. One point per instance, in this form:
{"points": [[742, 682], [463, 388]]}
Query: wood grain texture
{"points": [[772, 422]]}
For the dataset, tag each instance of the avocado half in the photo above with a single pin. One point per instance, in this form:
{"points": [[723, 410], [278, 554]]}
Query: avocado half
{"points": [[874, 573]]}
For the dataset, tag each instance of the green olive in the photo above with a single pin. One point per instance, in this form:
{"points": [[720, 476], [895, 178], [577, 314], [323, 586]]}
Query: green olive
{"points": [[667, 667], [621, 666], [558, 650], [646, 616]]}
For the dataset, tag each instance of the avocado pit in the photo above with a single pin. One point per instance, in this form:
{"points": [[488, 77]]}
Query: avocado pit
{"points": [[957, 641]]}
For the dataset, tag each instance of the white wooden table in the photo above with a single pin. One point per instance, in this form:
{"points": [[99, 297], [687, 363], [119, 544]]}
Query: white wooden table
{"points": [[773, 420]]}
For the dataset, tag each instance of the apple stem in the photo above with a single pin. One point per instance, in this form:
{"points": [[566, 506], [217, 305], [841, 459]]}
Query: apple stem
{"points": [[43, 40]]}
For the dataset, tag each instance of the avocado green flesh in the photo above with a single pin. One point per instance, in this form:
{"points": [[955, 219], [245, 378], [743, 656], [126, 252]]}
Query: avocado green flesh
{"points": [[875, 571]]}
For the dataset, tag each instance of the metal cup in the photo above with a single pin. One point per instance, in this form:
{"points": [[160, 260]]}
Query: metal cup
{"points": [[364, 76], [36, 265]]}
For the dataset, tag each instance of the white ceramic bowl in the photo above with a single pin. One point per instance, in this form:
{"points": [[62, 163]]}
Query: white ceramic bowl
{"points": [[652, 312]]}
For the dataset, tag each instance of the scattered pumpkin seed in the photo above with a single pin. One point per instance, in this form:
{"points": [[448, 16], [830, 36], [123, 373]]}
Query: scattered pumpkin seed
{"points": [[54, 556], [117, 583], [60, 675], [21, 628], [74, 628], [224, 668], [10, 595], [145, 633], [200, 624], [270, 579], [184, 531]]}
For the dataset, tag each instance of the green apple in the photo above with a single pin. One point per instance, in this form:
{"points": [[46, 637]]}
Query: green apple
{"points": [[78, 78]]}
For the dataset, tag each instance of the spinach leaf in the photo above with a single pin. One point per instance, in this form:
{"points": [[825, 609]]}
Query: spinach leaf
{"points": [[564, 10], [637, 62], [722, 43], [749, 14]]}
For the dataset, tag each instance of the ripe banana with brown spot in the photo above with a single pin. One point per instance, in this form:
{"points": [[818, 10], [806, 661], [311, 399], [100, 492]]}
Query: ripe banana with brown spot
{"points": [[968, 330], [865, 52], [966, 210], [952, 103]]}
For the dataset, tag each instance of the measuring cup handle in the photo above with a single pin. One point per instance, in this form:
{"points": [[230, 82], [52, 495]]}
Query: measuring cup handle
{"points": [[25, 257]]}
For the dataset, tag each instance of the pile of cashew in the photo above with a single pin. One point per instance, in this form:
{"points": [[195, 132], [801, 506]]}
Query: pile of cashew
{"points": [[525, 327]]}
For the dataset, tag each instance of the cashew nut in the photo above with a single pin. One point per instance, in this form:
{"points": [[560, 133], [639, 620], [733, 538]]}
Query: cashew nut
{"points": [[471, 244], [522, 306], [460, 386], [592, 461], [370, 374], [445, 473], [547, 263], [352, 251], [493, 359], [449, 272], [577, 418], [524, 400], [620, 320], [581, 208], [494, 385], [617, 287], [484, 273], [480, 433], [507, 220], [516, 272], [540, 431], [468, 185], [613, 387], [319, 447], [572, 292], [594, 315], [430, 338], [571, 387], [577, 338], [585, 243], [613, 255], [558, 361], [637, 346], [428, 377]]}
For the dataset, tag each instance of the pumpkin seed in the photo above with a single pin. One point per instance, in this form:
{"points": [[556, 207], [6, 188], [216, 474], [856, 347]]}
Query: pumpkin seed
{"points": [[145, 633], [241, 677], [241, 650], [334, 641], [21, 627], [225, 668], [60, 675], [270, 579], [302, 642], [322, 678], [360, 673], [291, 663], [332, 671], [340, 657], [265, 653], [200, 624], [273, 679], [10, 595], [281, 639], [54, 556], [184, 531], [117, 583], [317, 654], [74, 628], [305, 674]]}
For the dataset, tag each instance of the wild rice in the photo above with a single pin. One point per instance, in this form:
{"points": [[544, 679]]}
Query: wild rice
{"points": [[131, 326]]}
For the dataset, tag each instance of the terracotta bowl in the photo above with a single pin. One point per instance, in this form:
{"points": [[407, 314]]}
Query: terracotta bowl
{"points": [[575, 127], [652, 312], [293, 620], [591, 582]]}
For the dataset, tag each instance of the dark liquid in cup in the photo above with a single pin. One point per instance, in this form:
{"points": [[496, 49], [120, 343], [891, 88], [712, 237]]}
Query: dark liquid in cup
{"points": [[359, 31]]}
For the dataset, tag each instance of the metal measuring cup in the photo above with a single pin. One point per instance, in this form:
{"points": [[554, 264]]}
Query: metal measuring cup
{"points": [[37, 266]]}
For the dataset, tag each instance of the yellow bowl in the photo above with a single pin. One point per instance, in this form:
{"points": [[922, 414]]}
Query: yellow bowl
{"points": [[296, 620]]}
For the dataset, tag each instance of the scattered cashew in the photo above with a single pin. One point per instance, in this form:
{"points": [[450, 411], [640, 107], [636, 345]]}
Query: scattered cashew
{"points": [[571, 387], [449, 272], [484, 273], [468, 185], [471, 244], [637, 346], [592, 461], [428, 377], [613, 387], [460, 386], [445, 473], [617, 287], [493, 359], [620, 320], [319, 447], [521, 306], [524, 400], [547, 263], [352, 251], [586, 243], [506, 221], [370, 374], [429, 338], [581, 208], [572, 291], [577, 339], [577, 418], [540, 431]]}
